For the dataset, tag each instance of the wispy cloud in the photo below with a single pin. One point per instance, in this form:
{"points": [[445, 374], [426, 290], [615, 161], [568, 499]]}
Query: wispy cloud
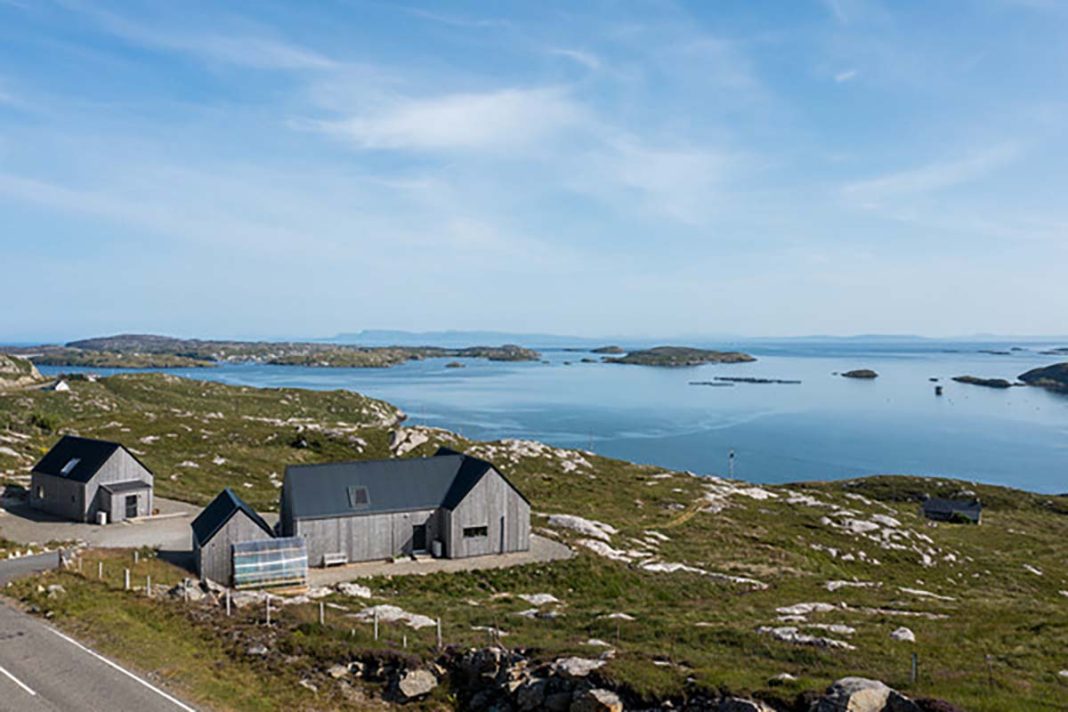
{"points": [[586, 59], [241, 49], [456, 20], [846, 76], [933, 176], [503, 119]]}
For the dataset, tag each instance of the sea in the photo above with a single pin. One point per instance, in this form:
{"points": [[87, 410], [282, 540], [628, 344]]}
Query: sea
{"points": [[825, 427]]}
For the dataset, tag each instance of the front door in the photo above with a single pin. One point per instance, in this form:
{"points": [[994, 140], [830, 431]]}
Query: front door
{"points": [[131, 506], [419, 538]]}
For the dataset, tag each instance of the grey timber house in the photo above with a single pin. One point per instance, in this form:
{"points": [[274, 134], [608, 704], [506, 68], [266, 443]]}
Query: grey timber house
{"points": [[953, 510], [450, 505], [228, 520], [91, 481]]}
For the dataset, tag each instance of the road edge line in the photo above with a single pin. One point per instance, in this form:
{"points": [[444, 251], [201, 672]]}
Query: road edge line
{"points": [[124, 671], [17, 681]]}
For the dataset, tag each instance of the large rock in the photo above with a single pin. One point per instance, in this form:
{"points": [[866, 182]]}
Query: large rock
{"points": [[596, 700], [1053, 377], [859, 694], [576, 667], [416, 683]]}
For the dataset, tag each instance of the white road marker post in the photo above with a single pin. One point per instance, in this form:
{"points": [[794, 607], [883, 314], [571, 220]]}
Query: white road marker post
{"points": [[322, 613], [137, 556], [439, 632], [126, 580], [267, 601], [227, 603], [376, 624], [100, 569], [148, 586]]}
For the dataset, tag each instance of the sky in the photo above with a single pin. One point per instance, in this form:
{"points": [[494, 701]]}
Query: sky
{"points": [[287, 169]]}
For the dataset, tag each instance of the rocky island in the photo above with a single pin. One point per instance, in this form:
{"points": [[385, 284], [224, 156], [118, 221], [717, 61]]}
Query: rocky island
{"points": [[988, 382], [152, 351], [1054, 377], [609, 350], [676, 356], [861, 373]]}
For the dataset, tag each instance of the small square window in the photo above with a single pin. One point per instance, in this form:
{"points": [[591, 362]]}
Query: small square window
{"points": [[359, 498]]}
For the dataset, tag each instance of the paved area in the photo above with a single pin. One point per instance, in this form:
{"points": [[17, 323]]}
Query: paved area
{"points": [[43, 670], [541, 550], [170, 530], [11, 569]]}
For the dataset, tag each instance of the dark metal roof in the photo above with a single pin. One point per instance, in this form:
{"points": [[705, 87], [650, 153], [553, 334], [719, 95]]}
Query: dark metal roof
{"points": [[969, 508], [406, 484], [91, 455], [128, 486], [218, 513]]}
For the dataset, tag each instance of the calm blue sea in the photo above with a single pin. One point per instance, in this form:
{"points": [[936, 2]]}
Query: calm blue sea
{"points": [[825, 428]]}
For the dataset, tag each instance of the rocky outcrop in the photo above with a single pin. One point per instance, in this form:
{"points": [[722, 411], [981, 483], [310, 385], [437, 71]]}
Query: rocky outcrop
{"points": [[861, 373], [16, 372], [609, 350], [859, 694], [1054, 377]]}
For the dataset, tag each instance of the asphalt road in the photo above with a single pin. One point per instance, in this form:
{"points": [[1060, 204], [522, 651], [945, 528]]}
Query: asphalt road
{"points": [[43, 670]]}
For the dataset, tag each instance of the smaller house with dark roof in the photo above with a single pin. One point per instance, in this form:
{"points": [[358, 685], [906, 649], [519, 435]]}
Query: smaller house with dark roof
{"points": [[91, 481], [450, 505], [227, 521], [953, 510]]}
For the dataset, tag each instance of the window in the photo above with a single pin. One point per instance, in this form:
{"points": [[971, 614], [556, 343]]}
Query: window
{"points": [[358, 498], [70, 465], [475, 532]]}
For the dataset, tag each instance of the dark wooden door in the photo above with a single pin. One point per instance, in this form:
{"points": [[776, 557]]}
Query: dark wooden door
{"points": [[131, 506], [419, 537]]}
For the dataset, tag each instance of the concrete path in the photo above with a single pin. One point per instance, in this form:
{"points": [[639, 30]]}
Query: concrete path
{"points": [[11, 569], [43, 670], [541, 550]]}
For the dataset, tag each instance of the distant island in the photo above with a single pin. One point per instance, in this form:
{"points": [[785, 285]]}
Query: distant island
{"points": [[152, 351], [1054, 377], [988, 382], [609, 350], [676, 356], [861, 373]]}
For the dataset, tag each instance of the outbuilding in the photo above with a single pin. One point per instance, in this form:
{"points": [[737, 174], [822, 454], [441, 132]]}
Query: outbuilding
{"points": [[91, 481], [227, 521], [450, 505], [953, 510]]}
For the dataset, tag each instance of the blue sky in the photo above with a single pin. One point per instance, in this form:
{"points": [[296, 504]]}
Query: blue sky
{"points": [[636, 168]]}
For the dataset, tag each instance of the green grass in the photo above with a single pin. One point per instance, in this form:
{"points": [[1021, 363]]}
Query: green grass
{"points": [[1000, 645]]}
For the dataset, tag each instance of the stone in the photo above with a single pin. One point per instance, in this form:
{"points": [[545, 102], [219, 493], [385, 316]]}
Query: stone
{"points": [[904, 634], [55, 590], [416, 683], [576, 667], [354, 590], [859, 694], [257, 650], [337, 671], [309, 685], [596, 700], [782, 679]]}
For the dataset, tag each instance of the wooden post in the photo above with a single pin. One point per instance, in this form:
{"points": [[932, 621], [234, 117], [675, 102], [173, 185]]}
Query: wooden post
{"points": [[404, 641], [148, 586], [376, 624], [126, 580], [439, 632], [228, 602], [322, 613], [267, 601], [137, 556], [100, 569]]}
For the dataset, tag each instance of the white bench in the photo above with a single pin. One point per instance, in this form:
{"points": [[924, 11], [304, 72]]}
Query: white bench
{"points": [[335, 558]]}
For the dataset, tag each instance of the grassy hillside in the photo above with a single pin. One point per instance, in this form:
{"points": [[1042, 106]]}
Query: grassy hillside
{"points": [[708, 572]]}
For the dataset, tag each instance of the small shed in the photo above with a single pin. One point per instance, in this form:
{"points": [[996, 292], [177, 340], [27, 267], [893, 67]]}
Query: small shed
{"points": [[953, 510], [91, 480], [227, 521]]}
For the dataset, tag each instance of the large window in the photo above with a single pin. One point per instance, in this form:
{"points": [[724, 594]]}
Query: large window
{"points": [[475, 532], [70, 465]]}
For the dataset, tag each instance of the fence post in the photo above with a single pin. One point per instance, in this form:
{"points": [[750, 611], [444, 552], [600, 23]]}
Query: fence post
{"points": [[228, 602], [100, 569], [404, 641], [137, 556], [376, 624], [439, 632], [267, 601], [148, 586], [126, 580], [322, 613]]}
